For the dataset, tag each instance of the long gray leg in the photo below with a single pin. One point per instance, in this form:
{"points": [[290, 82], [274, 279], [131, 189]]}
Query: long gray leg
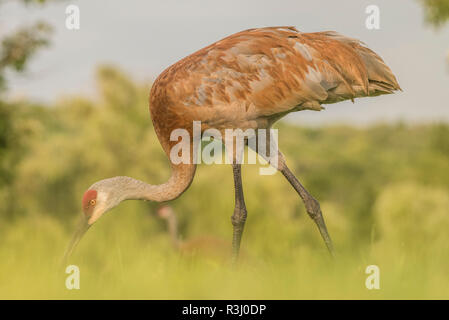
{"points": [[311, 204], [239, 217]]}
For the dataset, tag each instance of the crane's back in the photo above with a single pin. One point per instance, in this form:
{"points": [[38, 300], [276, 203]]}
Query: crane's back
{"points": [[265, 73]]}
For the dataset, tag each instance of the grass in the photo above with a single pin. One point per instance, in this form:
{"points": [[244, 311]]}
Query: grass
{"points": [[117, 260]]}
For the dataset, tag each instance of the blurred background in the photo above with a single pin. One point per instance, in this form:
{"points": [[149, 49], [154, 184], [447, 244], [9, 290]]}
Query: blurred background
{"points": [[74, 110]]}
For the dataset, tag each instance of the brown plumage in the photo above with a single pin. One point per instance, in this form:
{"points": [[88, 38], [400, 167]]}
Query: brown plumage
{"points": [[259, 74], [249, 80]]}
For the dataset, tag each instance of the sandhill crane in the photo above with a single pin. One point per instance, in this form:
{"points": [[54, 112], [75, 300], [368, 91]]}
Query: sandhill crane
{"points": [[248, 80], [207, 246]]}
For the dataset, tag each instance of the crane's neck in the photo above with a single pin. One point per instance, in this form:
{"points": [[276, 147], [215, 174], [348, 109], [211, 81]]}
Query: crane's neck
{"points": [[127, 188], [180, 179]]}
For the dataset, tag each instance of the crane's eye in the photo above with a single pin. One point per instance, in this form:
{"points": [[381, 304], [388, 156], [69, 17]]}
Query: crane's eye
{"points": [[93, 202]]}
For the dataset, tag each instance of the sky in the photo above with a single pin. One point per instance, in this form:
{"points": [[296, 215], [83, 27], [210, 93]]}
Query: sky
{"points": [[143, 37]]}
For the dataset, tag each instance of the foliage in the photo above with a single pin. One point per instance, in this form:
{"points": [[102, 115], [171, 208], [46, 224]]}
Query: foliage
{"points": [[16, 49], [383, 191], [437, 11], [19, 46]]}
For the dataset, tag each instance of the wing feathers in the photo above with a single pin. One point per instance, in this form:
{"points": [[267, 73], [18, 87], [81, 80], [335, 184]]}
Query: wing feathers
{"points": [[276, 70], [356, 70]]}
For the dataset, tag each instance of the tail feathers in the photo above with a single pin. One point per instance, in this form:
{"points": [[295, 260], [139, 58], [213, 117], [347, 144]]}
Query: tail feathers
{"points": [[380, 78], [344, 69]]}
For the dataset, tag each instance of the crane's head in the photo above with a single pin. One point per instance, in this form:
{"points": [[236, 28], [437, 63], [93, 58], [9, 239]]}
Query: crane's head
{"points": [[97, 200]]}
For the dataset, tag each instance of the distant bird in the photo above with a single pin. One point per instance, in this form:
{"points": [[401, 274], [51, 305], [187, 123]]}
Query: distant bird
{"points": [[248, 80], [206, 246]]}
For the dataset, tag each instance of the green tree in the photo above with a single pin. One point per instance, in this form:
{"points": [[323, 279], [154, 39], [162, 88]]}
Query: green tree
{"points": [[19, 46], [437, 11], [16, 49]]}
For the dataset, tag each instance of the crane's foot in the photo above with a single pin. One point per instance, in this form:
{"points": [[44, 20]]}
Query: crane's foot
{"points": [[314, 211], [238, 222]]}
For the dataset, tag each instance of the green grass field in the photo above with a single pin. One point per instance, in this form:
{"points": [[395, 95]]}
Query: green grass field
{"points": [[125, 257]]}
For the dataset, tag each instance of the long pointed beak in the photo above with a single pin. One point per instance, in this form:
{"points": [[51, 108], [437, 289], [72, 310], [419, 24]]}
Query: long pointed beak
{"points": [[81, 229]]}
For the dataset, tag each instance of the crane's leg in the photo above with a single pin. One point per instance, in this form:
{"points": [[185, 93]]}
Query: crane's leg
{"points": [[272, 154], [239, 217], [311, 204]]}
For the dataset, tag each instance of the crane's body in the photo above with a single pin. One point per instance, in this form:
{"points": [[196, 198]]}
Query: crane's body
{"points": [[252, 78], [248, 80]]}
